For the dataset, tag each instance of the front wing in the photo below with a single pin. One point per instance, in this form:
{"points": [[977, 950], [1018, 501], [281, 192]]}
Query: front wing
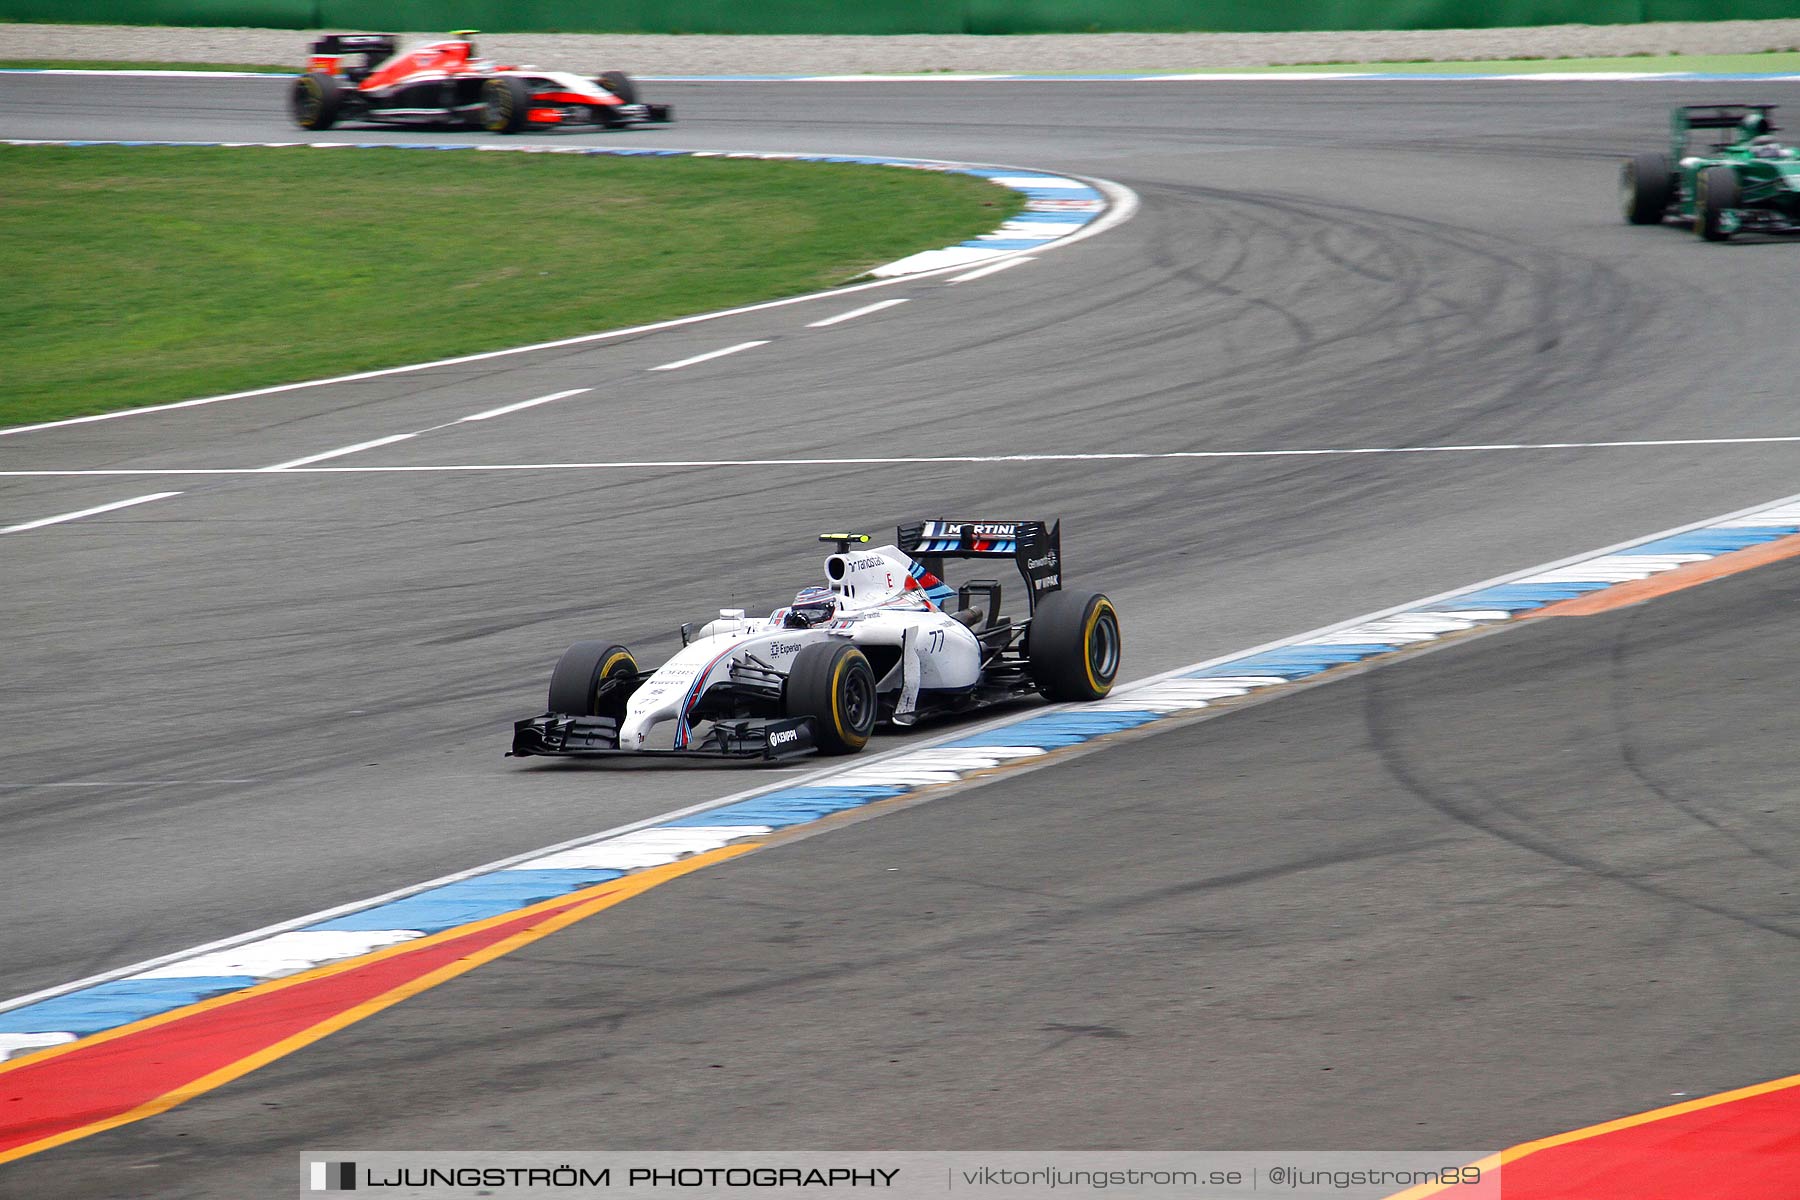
{"points": [[559, 734]]}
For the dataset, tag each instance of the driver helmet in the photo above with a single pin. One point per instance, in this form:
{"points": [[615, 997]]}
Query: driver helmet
{"points": [[812, 606], [1754, 125]]}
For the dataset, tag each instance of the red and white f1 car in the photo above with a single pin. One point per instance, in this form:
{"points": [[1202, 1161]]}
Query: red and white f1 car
{"points": [[884, 639], [444, 83]]}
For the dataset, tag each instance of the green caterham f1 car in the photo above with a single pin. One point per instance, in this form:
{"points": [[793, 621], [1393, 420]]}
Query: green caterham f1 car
{"points": [[1746, 182]]}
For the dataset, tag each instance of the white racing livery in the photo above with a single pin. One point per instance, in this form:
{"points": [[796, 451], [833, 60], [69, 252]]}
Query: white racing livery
{"points": [[884, 638]]}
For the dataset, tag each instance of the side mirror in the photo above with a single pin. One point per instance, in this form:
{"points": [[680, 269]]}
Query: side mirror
{"points": [[687, 632]]}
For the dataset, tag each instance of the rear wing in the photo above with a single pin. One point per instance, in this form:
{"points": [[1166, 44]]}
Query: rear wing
{"points": [[1034, 546], [375, 49], [1687, 117]]}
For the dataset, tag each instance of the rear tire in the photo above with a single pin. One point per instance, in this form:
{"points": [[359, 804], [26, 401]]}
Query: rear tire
{"points": [[315, 99], [575, 681], [1715, 190], [505, 105], [619, 84], [832, 683], [1646, 184], [1074, 646]]}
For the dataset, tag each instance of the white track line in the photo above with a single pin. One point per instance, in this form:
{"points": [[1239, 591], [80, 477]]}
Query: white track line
{"points": [[341, 451], [992, 268], [146, 71], [491, 413], [389, 440], [104, 783], [709, 355], [653, 464], [88, 512], [864, 311]]}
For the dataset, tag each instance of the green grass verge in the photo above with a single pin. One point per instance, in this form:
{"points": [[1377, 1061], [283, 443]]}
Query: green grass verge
{"points": [[83, 64], [149, 274]]}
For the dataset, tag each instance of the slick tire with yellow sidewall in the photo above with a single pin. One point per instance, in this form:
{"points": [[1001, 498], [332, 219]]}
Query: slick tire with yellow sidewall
{"points": [[832, 683], [315, 100], [505, 105], [1074, 645], [619, 84], [575, 683]]}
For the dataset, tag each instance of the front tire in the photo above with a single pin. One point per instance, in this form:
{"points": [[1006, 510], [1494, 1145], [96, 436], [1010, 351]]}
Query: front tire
{"points": [[1646, 184], [577, 678], [619, 84], [1074, 646], [1715, 190], [505, 105], [832, 683], [315, 100]]}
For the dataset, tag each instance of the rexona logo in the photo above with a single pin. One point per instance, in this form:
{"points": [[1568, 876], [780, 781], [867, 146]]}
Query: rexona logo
{"points": [[781, 737], [1038, 564]]}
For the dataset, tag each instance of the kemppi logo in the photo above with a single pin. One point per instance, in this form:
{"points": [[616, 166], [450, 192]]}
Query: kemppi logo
{"points": [[781, 737]]}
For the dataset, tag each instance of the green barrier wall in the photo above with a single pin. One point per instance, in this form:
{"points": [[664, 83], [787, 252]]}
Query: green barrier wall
{"points": [[260, 14], [1713, 10], [1097, 16], [885, 16], [649, 16]]}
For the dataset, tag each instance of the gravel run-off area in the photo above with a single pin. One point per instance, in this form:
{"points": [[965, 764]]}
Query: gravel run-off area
{"points": [[705, 54]]}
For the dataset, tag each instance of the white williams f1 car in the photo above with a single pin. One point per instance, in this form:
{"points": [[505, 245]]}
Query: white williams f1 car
{"points": [[884, 639]]}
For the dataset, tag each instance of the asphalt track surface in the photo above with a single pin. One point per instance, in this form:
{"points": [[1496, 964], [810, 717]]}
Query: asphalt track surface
{"points": [[1532, 882]]}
